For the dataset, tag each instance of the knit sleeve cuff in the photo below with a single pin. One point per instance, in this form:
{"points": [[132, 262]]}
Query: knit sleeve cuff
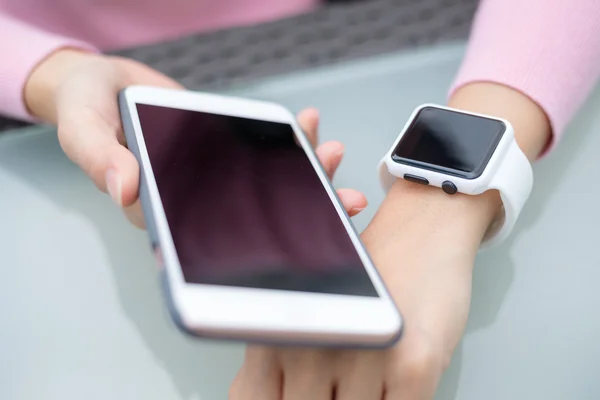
{"points": [[22, 48]]}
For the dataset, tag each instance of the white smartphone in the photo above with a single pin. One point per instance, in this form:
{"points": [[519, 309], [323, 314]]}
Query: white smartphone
{"points": [[252, 241]]}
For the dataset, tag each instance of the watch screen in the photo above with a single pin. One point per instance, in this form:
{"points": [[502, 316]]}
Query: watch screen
{"points": [[449, 142]]}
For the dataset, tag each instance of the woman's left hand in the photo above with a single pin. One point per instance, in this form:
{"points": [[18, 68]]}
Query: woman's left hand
{"points": [[424, 245], [432, 288]]}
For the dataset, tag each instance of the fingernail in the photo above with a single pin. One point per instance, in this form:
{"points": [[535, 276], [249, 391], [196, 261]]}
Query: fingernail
{"points": [[356, 210], [113, 185], [336, 159], [339, 153]]}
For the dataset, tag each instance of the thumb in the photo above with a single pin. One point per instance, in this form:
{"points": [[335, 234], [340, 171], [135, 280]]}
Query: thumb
{"points": [[92, 142]]}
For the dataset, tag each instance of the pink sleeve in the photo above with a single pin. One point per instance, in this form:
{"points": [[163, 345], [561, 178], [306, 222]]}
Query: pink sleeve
{"points": [[546, 49], [22, 47]]}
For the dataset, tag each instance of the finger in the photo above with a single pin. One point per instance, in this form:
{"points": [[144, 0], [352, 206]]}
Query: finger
{"points": [[360, 376], [407, 393], [259, 378], [413, 373], [410, 390], [135, 215], [352, 200], [92, 142], [308, 119], [307, 374], [330, 155], [296, 388], [89, 124]]}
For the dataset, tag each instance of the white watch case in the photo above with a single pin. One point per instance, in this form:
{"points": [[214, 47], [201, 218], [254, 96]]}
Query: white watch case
{"points": [[507, 171]]}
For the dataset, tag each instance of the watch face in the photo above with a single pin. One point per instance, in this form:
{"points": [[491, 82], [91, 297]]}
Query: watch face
{"points": [[449, 142]]}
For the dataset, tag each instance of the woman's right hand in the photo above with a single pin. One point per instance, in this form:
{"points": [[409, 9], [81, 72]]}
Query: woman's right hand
{"points": [[78, 91]]}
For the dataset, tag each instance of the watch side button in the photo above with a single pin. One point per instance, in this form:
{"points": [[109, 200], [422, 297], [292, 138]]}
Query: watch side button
{"points": [[449, 187], [416, 179]]}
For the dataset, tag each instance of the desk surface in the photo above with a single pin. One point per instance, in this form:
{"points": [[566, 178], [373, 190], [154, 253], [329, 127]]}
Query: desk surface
{"points": [[81, 313]]}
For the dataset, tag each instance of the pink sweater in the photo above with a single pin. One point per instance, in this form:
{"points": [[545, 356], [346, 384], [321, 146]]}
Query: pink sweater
{"points": [[547, 49]]}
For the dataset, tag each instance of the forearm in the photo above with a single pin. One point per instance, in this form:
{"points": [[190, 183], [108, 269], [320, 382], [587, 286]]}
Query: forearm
{"points": [[424, 241], [553, 72], [28, 46], [546, 49]]}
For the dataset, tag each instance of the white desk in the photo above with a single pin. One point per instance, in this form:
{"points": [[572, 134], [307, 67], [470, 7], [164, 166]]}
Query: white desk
{"points": [[80, 309]]}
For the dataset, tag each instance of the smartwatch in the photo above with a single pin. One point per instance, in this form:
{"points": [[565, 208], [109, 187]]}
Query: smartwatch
{"points": [[462, 152]]}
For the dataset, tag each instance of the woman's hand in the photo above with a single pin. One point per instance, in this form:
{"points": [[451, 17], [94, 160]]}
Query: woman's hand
{"points": [[78, 91], [424, 248], [424, 244]]}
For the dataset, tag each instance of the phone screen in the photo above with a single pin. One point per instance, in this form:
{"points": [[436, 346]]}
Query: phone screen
{"points": [[245, 206]]}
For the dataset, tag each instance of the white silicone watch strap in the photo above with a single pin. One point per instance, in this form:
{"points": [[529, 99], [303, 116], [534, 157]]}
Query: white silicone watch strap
{"points": [[514, 180]]}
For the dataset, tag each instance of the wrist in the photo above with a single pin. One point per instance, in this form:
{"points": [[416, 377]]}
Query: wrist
{"points": [[416, 212], [473, 214], [41, 86]]}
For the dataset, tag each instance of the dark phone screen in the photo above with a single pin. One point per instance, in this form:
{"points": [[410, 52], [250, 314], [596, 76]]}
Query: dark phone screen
{"points": [[245, 206], [460, 143]]}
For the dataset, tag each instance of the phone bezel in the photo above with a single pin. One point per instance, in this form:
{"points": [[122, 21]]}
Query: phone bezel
{"points": [[248, 313]]}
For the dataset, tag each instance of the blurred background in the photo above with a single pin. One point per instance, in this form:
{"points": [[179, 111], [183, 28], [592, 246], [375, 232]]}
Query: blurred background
{"points": [[81, 313]]}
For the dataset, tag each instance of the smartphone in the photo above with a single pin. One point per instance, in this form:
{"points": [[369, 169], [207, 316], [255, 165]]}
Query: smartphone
{"points": [[250, 237]]}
